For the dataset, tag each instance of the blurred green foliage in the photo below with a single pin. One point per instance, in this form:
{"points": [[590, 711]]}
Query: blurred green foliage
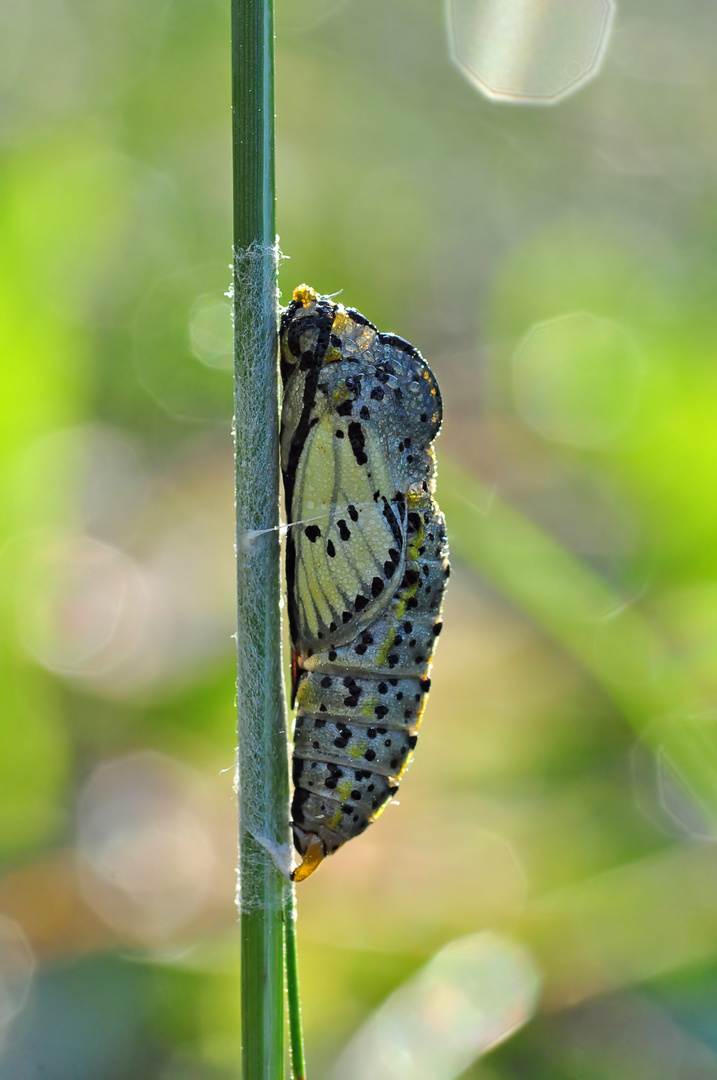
{"points": [[563, 792]]}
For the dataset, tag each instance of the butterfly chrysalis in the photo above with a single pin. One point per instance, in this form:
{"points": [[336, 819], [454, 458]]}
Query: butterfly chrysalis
{"points": [[366, 562]]}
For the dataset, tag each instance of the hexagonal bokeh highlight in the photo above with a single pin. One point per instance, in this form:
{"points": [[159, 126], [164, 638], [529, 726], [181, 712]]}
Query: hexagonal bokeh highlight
{"points": [[529, 51], [471, 996], [577, 379]]}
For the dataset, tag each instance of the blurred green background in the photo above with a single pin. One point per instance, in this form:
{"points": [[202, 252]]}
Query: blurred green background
{"points": [[557, 265]]}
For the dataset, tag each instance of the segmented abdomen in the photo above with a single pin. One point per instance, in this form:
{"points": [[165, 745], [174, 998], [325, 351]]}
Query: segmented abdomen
{"points": [[359, 705]]}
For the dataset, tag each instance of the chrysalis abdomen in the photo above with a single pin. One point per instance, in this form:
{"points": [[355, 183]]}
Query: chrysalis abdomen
{"points": [[366, 563]]}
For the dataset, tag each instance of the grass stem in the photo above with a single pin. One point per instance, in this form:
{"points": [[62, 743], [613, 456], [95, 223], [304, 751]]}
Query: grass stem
{"points": [[262, 752], [296, 1035]]}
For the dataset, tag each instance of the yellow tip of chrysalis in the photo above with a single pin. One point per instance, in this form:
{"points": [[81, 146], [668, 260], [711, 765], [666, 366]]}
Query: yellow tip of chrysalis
{"points": [[315, 854]]}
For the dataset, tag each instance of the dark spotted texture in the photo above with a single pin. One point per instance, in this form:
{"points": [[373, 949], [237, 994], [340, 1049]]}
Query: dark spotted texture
{"points": [[362, 687]]}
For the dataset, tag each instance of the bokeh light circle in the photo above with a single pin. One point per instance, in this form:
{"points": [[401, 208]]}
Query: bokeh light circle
{"points": [[577, 379], [470, 996], [529, 51], [88, 610], [165, 335], [210, 331], [145, 854]]}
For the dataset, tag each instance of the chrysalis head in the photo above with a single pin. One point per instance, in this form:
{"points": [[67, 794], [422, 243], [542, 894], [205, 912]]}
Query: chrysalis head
{"points": [[316, 332], [305, 330]]}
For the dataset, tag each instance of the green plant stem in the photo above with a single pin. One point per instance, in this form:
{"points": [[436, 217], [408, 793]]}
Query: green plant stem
{"points": [[262, 753], [253, 121], [292, 983]]}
